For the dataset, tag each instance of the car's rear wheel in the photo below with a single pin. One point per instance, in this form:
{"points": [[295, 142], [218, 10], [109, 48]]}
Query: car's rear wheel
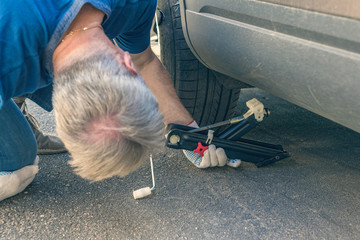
{"points": [[207, 99]]}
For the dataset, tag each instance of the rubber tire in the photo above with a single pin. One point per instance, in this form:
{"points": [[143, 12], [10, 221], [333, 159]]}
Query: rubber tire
{"points": [[207, 100]]}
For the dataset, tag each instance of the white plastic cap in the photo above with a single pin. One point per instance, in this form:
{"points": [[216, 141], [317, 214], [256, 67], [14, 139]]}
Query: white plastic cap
{"points": [[142, 192]]}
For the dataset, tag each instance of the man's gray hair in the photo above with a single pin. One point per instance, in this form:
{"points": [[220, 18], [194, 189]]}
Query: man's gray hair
{"points": [[106, 116]]}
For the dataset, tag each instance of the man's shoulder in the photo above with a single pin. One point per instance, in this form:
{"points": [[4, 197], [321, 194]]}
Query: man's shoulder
{"points": [[129, 16]]}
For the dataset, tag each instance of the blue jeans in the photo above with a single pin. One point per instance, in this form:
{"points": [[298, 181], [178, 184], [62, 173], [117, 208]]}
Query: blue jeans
{"points": [[18, 146]]}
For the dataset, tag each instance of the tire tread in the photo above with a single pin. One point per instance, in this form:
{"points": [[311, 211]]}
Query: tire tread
{"points": [[203, 96]]}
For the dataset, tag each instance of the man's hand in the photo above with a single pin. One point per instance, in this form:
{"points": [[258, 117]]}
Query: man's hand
{"points": [[14, 182], [213, 157]]}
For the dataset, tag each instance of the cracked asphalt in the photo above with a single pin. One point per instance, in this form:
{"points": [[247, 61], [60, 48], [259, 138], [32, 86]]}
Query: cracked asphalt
{"points": [[314, 194]]}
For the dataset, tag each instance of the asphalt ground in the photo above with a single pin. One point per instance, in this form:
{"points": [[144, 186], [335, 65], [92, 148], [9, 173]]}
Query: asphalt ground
{"points": [[314, 194]]}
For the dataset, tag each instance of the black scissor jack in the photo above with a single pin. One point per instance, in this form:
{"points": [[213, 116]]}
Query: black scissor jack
{"points": [[230, 138]]}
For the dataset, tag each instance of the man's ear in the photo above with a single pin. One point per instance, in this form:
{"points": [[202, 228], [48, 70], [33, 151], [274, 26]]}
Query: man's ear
{"points": [[129, 64], [125, 59]]}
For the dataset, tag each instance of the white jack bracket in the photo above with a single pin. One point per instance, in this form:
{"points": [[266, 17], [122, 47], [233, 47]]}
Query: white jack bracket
{"points": [[146, 191], [256, 108]]}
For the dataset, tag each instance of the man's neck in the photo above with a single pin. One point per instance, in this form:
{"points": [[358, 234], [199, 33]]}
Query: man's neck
{"points": [[88, 16]]}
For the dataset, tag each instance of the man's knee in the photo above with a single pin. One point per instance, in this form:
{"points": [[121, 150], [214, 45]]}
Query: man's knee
{"points": [[18, 146], [18, 154]]}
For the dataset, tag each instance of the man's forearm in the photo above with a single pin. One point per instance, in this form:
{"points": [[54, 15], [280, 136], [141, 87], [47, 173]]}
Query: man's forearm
{"points": [[158, 80]]}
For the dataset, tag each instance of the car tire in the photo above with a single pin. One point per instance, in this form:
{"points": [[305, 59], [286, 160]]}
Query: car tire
{"points": [[207, 99]]}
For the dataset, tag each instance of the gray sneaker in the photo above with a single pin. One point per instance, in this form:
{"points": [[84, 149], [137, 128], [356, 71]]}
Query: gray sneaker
{"points": [[47, 144]]}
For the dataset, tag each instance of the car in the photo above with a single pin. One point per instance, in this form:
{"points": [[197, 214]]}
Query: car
{"points": [[306, 52]]}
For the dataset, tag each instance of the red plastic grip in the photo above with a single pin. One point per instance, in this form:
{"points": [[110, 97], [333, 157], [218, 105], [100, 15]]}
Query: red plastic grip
{"points": [[200, 149]]}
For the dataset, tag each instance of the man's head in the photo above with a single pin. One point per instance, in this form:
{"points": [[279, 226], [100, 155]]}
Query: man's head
{"points": [[106, 116]]}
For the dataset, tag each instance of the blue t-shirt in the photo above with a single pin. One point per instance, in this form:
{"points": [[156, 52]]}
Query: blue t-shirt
{"points": [[30, 30]]}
